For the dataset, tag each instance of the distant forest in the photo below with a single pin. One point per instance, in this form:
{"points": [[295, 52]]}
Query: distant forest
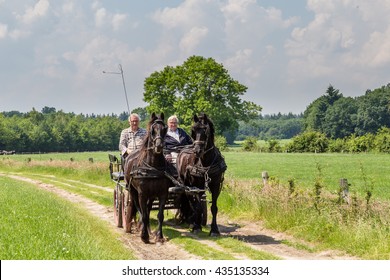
{"points": [[267, 127], [332, 115], [56, 131]]}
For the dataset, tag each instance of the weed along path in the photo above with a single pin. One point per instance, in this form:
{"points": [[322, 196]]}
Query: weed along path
{"points": [[253, 236]]}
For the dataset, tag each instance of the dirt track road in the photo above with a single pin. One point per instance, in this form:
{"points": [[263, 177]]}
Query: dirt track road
{"points": [[254, 234]]}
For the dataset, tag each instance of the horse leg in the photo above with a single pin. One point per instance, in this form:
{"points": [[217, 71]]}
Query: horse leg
{"points": [[134, 208], [145, 218], [185, 211], [214, 230], [159, 234], [197, 215], [150, 205]]}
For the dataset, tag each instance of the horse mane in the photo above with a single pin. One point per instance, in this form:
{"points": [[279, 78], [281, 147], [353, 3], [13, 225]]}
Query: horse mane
{"points": [[145, 143]]}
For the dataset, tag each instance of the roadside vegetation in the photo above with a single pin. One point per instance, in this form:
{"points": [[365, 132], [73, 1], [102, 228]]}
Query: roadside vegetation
{"points": [[37, 225]]}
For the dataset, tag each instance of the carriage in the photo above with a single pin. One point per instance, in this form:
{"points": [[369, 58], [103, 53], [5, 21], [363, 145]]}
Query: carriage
{"points": [[155, 183]]}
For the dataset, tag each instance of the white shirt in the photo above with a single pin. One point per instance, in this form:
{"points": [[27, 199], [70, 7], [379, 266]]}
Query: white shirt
{"points": [[174, 134]]}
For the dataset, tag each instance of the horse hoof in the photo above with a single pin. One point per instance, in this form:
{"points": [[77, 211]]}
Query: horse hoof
{"points": [[214, 234], [160, 240], [145, 240], [196, 230]]}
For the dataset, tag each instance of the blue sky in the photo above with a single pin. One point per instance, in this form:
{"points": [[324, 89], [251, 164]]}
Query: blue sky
{"points": [[287, 53]]}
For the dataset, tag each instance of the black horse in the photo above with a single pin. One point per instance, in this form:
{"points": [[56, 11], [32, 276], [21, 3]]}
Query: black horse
{"points": [[201, 167], [145, 179]]}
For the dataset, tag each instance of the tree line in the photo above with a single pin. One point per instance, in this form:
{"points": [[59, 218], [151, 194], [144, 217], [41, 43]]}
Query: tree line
{"points": [[338, 117], [56, 131], [268, 127], [332, 114]]}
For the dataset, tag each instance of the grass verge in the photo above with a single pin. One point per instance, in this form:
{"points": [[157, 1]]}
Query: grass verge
{"points": [[37, 225], [357, 228]]}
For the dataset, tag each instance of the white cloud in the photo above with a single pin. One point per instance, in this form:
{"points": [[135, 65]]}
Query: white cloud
{"points": [[104, 18], [376, 51], [3, 30], [342, 38], [186, 14], [37, 11], [52, 67], [240, 56], [247, 23], [191, 40], [68, 7], [100, 17], [19, 33], [118, 20]]}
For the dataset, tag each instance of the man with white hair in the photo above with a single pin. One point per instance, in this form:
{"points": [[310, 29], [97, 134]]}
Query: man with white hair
{"points": [[131, 138]]}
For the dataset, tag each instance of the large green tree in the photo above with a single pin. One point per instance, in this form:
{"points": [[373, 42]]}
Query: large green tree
{"points": [[200, 85], [340, 118], [373, 110], [314, 115]]}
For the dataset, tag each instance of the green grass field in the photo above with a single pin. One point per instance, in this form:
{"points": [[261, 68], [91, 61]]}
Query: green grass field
{"points": [[362, 170]]}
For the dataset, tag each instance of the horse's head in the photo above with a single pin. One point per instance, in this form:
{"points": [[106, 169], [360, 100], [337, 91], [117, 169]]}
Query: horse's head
{"points": [[202, 132], [157, 131]]}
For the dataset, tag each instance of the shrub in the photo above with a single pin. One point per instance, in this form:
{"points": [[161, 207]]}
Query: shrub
{"points": [[221, 143], [359, 144], [311, 141], [250, 144], [274, 146], [382, 140], [337, 146]]}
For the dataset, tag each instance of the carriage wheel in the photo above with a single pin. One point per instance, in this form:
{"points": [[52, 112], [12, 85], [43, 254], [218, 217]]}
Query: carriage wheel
{"points": [[126, 219], [204, 212], [117, 207]]}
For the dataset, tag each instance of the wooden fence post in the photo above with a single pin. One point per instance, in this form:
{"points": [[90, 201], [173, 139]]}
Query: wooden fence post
{"points": [[265, 177], [344, 190]]}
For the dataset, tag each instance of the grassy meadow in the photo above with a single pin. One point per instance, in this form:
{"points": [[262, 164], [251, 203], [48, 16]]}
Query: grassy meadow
{"points": [[302, 197], [363, 171]]}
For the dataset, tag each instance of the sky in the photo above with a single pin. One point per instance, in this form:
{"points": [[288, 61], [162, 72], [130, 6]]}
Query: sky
{"points": [[287, 52]]}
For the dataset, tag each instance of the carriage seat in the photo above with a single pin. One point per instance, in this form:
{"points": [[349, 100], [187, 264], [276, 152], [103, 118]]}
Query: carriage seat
{"points": [[116, 170]]}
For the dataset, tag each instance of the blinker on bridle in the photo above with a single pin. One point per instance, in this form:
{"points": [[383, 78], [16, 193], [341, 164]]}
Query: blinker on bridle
{"points": [[205, 142]]}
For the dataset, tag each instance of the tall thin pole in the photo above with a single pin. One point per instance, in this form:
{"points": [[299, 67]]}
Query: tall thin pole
{"points": [[124, 87]]}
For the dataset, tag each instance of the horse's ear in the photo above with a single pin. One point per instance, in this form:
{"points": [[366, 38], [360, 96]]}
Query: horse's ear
{"points": [[196, 119], [153, 116], [205, 118], [162, 116]]}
